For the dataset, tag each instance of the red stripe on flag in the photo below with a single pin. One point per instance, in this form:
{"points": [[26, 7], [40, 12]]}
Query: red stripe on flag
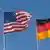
{"points": [[41, 28], [21, 17]]}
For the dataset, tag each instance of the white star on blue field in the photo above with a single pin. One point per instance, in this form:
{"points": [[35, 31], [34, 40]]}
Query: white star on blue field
{"points": [[25, 40]]}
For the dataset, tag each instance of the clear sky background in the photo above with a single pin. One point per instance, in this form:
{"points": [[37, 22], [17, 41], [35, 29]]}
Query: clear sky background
{"points": [[25, 40]]}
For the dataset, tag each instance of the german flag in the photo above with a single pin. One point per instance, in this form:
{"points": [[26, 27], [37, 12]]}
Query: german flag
{"points": [[48, 28], [43, 29]]}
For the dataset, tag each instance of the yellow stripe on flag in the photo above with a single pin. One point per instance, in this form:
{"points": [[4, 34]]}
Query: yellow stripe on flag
{"points": [[48, 33], [42, 35]]}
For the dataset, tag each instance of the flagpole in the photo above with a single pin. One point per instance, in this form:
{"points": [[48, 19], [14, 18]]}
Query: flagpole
{"points": [[4, 42], [37, 42], [37, 45], [4, 37]]}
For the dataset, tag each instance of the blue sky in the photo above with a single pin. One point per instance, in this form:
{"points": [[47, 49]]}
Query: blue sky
{"points": [[25, 40]]}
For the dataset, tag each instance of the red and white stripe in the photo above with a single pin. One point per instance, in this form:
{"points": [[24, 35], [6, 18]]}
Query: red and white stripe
{"points": [[12, 27]]}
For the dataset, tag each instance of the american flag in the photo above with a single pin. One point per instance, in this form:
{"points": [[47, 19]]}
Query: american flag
{"points": [[16, 21]]}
